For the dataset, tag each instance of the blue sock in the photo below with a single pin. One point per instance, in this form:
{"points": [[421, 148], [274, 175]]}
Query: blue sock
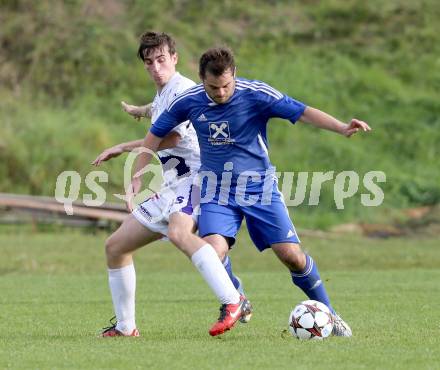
{"points": [[310, 282], [228, 268]]}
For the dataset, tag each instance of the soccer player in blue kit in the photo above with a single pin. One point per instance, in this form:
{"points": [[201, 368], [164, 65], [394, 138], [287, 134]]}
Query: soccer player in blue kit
{"points": [[230, 116]]}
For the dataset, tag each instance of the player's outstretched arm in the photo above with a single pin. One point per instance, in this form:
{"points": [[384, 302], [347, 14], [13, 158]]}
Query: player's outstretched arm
{"points": [[325, 121], [116, 151], [169, 141], [137, 111]]}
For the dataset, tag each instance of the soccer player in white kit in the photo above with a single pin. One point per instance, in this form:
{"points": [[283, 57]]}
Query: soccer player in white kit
{"points": [[169, 212]]}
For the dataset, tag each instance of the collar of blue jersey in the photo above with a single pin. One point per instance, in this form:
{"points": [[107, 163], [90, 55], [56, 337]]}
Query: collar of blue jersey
{"points": [[212, 102]]}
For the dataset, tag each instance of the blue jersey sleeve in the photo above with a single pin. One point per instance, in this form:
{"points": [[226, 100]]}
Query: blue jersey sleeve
{"points": [[287, 108], [173, 116], [273, 103]]}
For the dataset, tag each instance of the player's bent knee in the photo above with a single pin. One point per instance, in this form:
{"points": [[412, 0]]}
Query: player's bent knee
{"points": [[219, 243], [222, 253], [112, 247], [177, 236]]}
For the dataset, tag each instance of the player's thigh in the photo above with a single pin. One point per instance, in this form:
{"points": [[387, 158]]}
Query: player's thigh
{"points": [[130, 236], [270, 224], [181, 233], [181, 225]]}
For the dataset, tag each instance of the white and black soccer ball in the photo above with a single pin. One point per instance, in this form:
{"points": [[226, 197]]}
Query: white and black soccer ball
{"points": [[311, 320]]}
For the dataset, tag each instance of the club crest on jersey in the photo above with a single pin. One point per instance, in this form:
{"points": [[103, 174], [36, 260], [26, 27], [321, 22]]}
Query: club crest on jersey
{"points": [[219, 133]]}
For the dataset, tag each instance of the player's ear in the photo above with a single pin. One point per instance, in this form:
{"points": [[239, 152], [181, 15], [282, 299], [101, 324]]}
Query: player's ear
{"points": [[235, 72], [175, 57]]}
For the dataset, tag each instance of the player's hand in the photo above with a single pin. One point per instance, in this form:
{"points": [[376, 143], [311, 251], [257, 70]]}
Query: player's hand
{"points": [[133, 189], [107, 154], [133, 110], [354, 126]]}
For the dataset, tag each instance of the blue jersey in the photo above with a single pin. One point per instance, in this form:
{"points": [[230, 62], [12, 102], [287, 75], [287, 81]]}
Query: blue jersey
{"points": [[234, 131]]}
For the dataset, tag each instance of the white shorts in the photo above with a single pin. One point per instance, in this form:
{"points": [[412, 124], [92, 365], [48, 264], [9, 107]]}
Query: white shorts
{"points": [[154, 213]]}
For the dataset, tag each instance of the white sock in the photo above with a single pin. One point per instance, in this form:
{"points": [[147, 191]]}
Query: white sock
{"points": [[209, 265], [122, 283]]}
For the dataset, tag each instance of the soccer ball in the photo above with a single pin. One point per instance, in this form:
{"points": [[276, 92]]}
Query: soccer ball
{"points": [[310, 320]]}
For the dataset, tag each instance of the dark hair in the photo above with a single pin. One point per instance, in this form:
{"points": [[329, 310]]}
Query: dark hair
{"points": [[216, 61], [152, 40]]}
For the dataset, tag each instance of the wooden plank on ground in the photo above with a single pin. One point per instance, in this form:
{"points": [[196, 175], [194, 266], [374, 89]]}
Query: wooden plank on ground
{"points": [[87, 212], [107, 205]]}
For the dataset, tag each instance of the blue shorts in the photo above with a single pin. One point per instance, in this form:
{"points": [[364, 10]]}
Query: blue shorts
{"points": [[267, 223]]}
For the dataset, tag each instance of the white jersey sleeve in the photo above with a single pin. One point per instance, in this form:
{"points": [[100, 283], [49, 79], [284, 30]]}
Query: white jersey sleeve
{"points": [[179, 87]]}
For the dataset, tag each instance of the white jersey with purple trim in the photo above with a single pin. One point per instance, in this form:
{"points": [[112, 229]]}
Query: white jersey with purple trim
{"points": [[187, 153], [180, 164]]}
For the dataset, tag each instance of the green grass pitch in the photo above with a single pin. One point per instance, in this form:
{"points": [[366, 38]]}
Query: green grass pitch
{"points": [[54, 300]]}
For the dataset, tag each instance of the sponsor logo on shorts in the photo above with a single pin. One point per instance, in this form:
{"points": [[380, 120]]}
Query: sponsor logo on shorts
{"points": [[145, 212]]}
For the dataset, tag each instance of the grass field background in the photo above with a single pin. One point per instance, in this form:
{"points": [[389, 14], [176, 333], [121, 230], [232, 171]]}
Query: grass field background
{"points": [[66, 65], [54, 299]]}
